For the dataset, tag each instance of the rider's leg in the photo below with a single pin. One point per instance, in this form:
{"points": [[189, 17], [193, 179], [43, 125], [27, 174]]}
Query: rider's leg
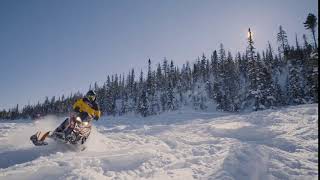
{"points": [[62, 126]]}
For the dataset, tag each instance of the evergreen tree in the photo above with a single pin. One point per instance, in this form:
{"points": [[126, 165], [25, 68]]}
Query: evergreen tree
{"points": [[202, 68], [214, 63], [254, 95], [283, 41], [143, 105], [171, 101], [311, 23], [159, 78], [270, 63], [307, 47], [295, 92]]}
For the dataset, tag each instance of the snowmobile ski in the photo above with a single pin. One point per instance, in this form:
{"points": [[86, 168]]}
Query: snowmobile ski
{"points": [[39, 141]]}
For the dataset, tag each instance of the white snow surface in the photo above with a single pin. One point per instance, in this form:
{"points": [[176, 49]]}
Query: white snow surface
{"points": [[185, 144]]}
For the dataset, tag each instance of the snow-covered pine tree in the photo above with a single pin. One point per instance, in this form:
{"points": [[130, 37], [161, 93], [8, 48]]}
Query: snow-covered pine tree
{"points": [[143, 106], [295, 92], [254, 94], [202, 68], [151, 90], [283, 42], [231, 88]]}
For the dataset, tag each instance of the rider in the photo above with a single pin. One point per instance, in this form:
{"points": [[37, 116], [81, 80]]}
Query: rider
{"points": [[86, 108]]}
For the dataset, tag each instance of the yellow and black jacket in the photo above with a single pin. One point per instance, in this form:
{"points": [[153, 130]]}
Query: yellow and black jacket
{"points": [[87, 109]]}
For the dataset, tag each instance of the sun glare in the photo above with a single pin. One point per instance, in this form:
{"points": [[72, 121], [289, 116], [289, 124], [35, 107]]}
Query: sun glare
{"points": [[248, 34]]}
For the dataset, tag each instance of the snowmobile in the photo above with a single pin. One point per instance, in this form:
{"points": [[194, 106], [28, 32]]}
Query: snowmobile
{"points": [[72, 131]]}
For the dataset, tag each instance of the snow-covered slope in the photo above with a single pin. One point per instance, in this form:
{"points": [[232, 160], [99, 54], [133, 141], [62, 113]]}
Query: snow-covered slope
{"points": [[270, 144]]}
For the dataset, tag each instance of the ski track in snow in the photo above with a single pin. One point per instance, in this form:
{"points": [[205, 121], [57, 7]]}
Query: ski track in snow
{"points": [[270, 144]]}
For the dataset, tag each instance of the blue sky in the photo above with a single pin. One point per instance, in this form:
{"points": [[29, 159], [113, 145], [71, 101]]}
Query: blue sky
{"points": [[50, 48]]}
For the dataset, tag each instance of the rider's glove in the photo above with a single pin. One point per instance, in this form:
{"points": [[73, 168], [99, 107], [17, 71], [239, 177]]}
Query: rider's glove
{"points": [[97, 116]]}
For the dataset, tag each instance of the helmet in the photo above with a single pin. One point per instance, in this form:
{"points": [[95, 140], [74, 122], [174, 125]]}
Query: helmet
{"points": [[91, 95]]}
